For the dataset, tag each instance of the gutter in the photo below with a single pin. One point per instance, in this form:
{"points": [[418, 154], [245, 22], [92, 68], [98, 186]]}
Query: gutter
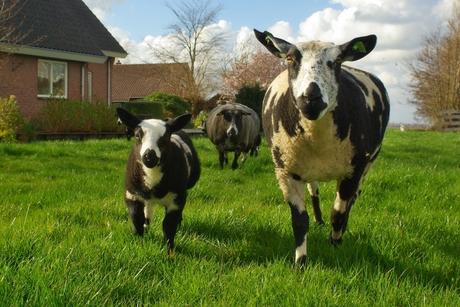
{"points": [[62, 55]]}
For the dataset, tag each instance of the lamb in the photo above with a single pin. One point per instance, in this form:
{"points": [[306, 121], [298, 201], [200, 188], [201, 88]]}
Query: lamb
{"points": [[233, 127], [162, 166], [323, 121]]}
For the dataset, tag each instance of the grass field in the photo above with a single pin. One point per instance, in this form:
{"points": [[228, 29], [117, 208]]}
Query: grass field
{"points": [[66, 236]]}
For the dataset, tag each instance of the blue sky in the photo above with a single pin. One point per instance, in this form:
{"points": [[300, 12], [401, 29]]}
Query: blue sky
{"points": [[398, 24], [143, 17]]}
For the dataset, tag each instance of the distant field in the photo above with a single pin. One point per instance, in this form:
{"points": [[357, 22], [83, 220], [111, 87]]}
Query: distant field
{"points": [[66, 236]]}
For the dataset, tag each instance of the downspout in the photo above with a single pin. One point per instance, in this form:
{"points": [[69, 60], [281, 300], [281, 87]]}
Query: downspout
{"points": [[83, 81], [109, 83]]}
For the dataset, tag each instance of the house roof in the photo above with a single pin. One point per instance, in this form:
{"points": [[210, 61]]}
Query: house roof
{"points": [[133, 81], [65, 29]]}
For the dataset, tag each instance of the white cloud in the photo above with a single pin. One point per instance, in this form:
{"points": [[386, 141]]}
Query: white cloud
{"points": [[398, 24], [283, 30], [101, 8]]}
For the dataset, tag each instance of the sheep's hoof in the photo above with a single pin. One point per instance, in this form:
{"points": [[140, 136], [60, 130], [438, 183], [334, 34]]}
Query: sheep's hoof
{"points": [[139, 232], [335, 242], [301, 263], [320, 223]]}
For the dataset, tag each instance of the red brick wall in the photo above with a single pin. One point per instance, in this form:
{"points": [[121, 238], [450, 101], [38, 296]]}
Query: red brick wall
{"points": [[19, 77], [100, 78]]}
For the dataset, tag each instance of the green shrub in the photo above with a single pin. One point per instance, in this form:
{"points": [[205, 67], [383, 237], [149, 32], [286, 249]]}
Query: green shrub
{"points": [[60, 115], [173, 105], [251, 96], [11, 120], [156, 109], [202, 116]]}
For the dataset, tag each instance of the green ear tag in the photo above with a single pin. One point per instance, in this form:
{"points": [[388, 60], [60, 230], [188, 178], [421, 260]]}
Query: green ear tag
{"points": [[359, 47], [267, 39]]}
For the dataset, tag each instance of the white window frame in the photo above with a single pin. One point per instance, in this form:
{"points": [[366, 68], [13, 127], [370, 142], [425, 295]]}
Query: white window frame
{"points": [[90, 86], [66, 81]]}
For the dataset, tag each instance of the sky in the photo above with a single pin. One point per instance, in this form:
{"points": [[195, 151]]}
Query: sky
{"points": [[399, 25]]}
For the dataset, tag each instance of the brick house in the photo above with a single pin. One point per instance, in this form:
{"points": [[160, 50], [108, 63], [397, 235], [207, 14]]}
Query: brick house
{"points": [[134, 81], [64, 51]]}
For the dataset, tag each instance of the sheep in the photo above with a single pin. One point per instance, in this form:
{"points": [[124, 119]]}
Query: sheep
{"points": [[323, 121], [233, 127], [162, 166], [130, 132]]}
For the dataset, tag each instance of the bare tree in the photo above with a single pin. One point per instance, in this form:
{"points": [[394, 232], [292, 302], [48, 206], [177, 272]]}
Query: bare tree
{"points": [[259, 68], [10, 22], [435, 71], [195, 39]]}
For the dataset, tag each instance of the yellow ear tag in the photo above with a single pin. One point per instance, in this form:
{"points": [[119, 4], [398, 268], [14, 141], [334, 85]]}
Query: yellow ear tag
{"points": [[359, 47]]}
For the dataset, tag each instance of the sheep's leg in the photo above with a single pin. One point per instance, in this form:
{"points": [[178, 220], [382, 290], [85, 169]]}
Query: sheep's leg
{"points": [[235, 158], [294, 193], [348, 191], [245, 156], [148, 213], [136, 212], [172, 220], [221, 159], [313, 190]]}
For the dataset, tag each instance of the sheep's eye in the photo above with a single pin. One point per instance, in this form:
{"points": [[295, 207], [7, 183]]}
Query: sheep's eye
{"points": [[138, 134], [289, 59], [339, 60]]}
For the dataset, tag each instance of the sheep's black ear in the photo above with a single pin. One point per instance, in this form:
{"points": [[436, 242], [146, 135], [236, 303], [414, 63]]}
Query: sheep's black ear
{"points": [[358, 47], [276, 46], [179, 122], [130, 120]]}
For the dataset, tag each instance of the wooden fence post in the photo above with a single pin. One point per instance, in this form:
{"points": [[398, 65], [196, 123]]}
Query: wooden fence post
{"points": [[449, 120]]}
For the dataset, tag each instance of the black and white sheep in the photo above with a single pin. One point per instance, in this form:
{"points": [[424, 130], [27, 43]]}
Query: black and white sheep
{"points": [[162, 166], [323, 121], [233, 127], [130, 132]]}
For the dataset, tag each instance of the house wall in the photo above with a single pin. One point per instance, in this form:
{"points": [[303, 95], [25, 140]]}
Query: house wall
{"points": [[19, 77], [16, 79], [100, 80]]}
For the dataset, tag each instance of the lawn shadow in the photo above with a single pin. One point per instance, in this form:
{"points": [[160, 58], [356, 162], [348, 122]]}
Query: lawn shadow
{"points": [[243, 243], [264, 244], [357, 254]]}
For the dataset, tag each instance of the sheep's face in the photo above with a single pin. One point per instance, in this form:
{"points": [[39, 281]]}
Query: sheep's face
{"points": [[313, 72], [314, 69], [152, 140], [233, 121], [153, 136]]}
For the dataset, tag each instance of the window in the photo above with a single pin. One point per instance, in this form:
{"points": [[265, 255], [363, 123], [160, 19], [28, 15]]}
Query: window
{"points": [[52, 79]]}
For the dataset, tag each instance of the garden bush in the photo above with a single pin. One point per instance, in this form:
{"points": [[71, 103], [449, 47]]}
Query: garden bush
{"points": [[173, 105], [11, 120], [251, 96], [153, 108], [60, 115]]}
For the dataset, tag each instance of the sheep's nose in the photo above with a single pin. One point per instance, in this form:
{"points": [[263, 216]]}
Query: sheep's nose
{"points": [[231, 132], [313, 91], [149, 158]]}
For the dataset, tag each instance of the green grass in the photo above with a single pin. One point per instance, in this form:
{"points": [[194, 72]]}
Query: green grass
{"points": [[66, 236]]}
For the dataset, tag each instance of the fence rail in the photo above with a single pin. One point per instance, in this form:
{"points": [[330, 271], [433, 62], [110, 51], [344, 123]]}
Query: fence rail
{"points": [[449, 120]]}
